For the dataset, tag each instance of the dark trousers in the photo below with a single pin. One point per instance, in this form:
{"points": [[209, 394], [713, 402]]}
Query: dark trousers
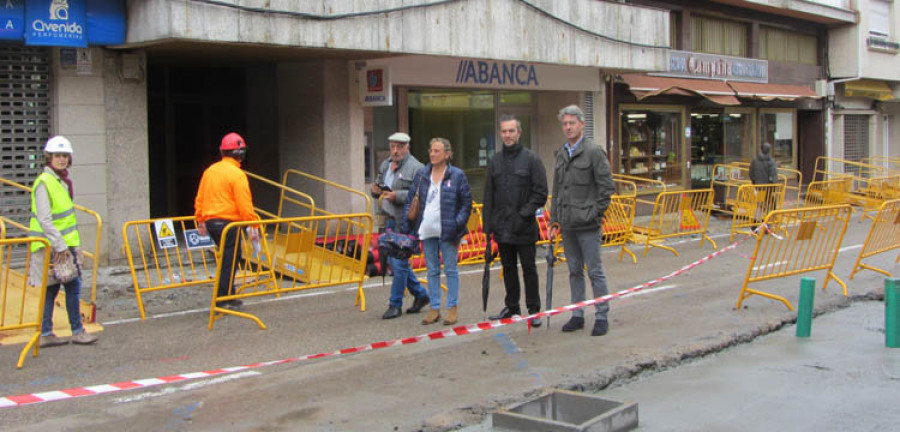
{"points": [[231, 252], [525, 254]]}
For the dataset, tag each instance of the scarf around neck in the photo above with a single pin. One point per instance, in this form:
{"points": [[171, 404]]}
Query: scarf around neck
{"points": [[64, 176]]}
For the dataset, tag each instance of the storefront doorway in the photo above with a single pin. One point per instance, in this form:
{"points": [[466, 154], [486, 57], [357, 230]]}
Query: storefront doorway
{"points": [[652, 145], [469, 119], [719, 137]]}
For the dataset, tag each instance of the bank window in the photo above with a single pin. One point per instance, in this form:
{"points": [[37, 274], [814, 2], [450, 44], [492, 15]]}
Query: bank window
{"points": [[787, 46], [718, 36], [652, 145], [778, 128]]}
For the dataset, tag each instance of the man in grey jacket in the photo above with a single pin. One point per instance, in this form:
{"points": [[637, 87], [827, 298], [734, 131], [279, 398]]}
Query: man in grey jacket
{"points": [[395, 175], [582, 186]]}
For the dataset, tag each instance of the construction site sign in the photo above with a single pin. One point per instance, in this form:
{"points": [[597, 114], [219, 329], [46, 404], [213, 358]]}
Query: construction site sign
{"points": [[165, 234]]}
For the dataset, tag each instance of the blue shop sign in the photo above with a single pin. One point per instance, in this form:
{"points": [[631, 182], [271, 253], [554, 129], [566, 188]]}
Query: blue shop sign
{"points": [[72, 23]]}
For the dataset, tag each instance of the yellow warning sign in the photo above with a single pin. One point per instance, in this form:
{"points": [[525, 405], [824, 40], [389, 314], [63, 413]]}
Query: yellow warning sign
{"points": [[165, 233], [688, 218]]}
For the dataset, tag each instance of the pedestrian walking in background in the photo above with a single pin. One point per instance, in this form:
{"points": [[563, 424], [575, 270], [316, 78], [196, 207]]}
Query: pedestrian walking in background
{"points": [[582, 186], [395, 175], [515, 188], [438, 210], [222, 198], [764, 170], [53, 217]]}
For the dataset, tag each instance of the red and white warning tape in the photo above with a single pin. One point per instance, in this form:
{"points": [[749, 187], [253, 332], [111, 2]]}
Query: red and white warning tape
{"points": [[76, 392]]}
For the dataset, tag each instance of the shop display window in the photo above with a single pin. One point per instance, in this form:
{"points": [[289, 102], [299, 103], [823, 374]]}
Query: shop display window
{"points": [[651, 146], [778, 129], [719, 137]]}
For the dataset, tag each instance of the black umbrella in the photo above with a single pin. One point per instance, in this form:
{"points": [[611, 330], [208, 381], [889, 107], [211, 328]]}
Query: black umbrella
{"points": [[551, 261], [486, 278]]}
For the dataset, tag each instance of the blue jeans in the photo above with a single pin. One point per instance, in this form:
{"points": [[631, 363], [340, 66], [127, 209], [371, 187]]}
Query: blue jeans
{"points": [[435, 249], [583, 249], [404, 278], [73, 308]]}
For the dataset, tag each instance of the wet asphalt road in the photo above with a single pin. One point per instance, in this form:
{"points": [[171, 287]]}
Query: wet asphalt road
{"points": [[434, 385]]}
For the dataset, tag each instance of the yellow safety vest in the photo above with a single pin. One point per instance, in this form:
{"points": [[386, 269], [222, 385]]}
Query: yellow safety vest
{"points": [[61, 208]]}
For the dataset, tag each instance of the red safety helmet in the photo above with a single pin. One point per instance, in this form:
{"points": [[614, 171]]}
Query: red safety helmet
{"points": [[233, 141]]}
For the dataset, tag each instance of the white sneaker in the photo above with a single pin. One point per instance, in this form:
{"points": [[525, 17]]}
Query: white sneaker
{"points": [[52, 341], [84, 338]]}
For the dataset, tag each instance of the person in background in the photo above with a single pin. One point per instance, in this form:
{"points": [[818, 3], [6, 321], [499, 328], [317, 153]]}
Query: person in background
{"points": [[53, 217], [224, 197], [515, 187], [395, 175], [582, 186], [763, 171], [445, 203]]}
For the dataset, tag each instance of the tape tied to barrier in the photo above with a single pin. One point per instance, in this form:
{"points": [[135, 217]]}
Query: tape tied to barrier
{"points": [[77, 392]]}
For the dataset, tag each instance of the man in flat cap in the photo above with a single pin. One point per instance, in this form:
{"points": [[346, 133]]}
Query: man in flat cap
{"points": [[395, 175]]}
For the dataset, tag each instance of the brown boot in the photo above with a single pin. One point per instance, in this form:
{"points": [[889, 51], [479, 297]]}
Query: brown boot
{"points": [[452, 316], [433, 316]]}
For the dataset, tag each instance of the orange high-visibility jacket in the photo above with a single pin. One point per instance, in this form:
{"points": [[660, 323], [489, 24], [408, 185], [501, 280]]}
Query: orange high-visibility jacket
{"points": [[224, 193]]}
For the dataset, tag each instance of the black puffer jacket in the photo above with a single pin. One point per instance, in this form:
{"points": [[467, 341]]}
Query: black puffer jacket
{"points": [[515, 187]]}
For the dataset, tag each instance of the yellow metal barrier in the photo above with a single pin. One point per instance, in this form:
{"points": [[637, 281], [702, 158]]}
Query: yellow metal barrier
{"points": [[643, 187], [297, 179], [91, 250], [827, 192], [800, 240], [793, 183], [884, 235], [290, 201], [177, 260], [21, 305], [472, 246], [752, 204], [869, 186], [892, 163], [676, 214], [304, 253]]}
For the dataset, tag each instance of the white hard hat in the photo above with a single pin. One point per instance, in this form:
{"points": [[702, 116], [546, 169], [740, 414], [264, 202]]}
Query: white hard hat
{"points": [[58, 144]]}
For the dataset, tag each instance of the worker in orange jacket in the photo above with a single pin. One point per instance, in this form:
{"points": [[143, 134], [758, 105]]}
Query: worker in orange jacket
{"points": [[224, 197]]}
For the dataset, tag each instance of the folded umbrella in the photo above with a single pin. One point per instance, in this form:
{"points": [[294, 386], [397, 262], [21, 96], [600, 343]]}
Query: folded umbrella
{"points": [[551, 261], [486, 278]]}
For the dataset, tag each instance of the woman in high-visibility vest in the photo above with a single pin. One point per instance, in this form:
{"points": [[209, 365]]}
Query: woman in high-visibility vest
{"points": [[53, 217]]}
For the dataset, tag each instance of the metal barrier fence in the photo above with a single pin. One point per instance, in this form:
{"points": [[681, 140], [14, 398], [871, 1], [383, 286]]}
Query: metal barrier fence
{"points": [[793, 184], [892, 163], [675, 214], [799, 241], [91, 249], [298, 179], [643, 187], [827, 192], [752, 204], [304, 253], [21, 305], [166, 253], [290, 201], [884, 235], [869, 185]]}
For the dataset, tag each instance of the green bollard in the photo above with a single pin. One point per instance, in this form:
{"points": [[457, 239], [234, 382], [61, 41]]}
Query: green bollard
{"points": [[892, 312], [805, 306]]}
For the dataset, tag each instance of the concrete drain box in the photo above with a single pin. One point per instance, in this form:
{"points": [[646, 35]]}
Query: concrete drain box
{"points": [[566, 411]]}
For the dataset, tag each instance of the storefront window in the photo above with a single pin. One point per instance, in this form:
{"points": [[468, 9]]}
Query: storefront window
{"points": [[652, 145], [778, 129], [719, 137], [466, 118]]}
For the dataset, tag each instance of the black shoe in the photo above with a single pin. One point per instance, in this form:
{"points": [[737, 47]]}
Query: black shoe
{"points": [[392, 312], [575, 323], [601, 327], [505, 313], [418, 304]]}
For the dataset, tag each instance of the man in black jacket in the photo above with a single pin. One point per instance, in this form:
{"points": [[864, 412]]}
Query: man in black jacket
{"points": [[515, 188]]}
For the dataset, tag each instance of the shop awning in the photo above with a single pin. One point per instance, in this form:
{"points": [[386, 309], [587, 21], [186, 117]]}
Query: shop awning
{"points": [[771, 91], [878, 90], [643, 86]]}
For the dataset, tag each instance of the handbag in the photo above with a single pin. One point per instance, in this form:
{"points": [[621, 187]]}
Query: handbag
{"points": [[413, 213], [65, 269], [397, 245]]}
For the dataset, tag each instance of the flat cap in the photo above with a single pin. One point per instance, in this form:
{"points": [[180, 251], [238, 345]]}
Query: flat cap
{"points": [[399, 137]]}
